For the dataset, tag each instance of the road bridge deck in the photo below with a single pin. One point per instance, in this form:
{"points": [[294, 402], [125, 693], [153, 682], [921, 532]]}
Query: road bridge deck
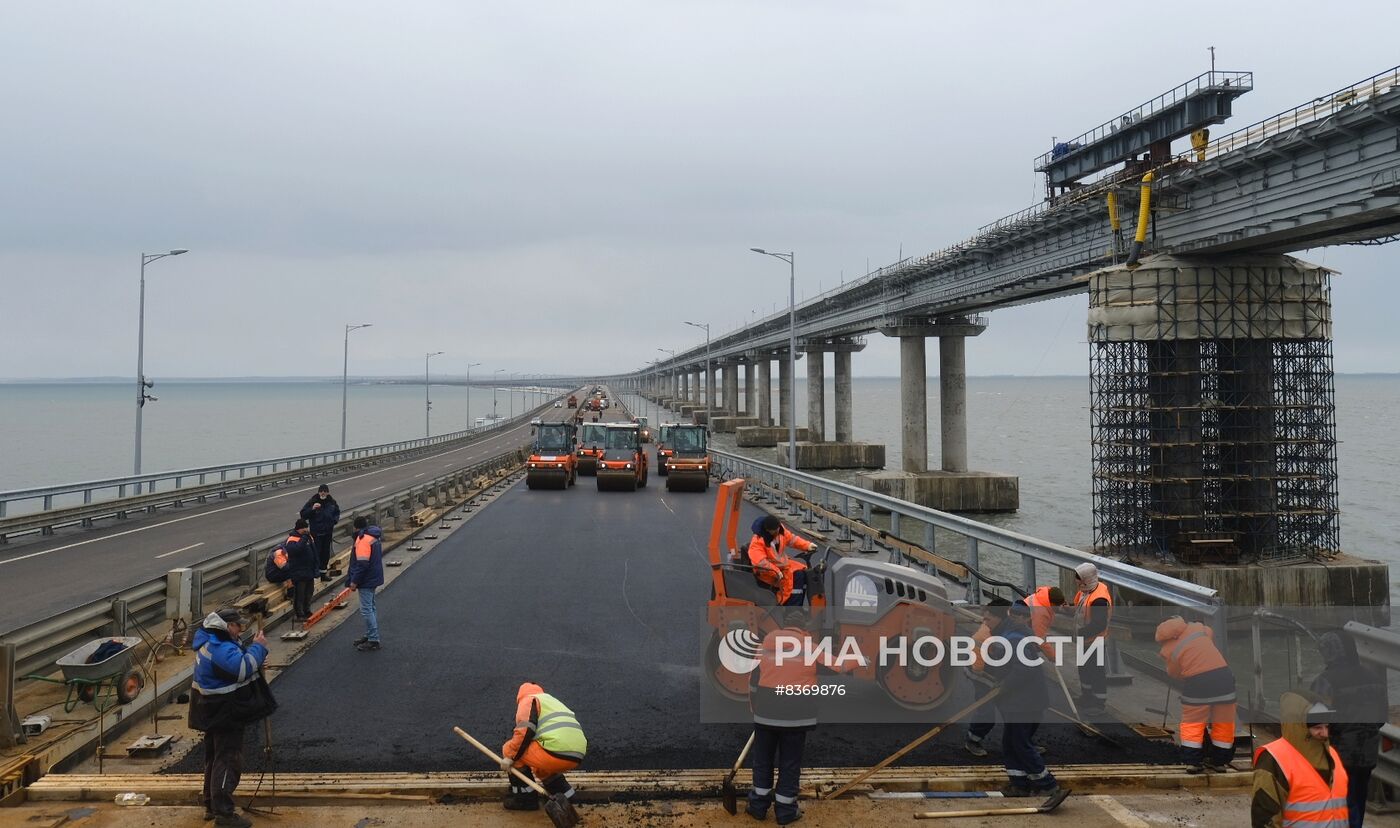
{"points": [[43, 575], [598, 596]]}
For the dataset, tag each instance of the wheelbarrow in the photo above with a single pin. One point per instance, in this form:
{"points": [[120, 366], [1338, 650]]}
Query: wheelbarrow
{"points": [[112, 679]]}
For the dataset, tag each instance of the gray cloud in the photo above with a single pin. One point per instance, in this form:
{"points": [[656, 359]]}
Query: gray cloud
{"points": [[554, 186]]}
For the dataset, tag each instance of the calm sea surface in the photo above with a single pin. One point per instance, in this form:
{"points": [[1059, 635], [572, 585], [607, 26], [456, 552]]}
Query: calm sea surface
{"points": [[1037, 428]]}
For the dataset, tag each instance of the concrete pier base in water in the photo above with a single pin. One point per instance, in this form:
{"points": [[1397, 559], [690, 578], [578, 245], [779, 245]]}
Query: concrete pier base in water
{"points": [[727, 424], [834, 455], [970, 491], [1344, 581], [764, 436]]}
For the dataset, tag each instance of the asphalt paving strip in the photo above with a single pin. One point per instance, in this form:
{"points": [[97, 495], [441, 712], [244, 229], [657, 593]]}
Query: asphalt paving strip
{"points": [[597, 596]]}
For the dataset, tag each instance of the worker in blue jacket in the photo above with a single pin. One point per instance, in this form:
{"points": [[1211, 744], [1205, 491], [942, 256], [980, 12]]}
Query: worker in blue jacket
{"points": [[301, 568], [1022, 703], [222, 705], [366, 575]]}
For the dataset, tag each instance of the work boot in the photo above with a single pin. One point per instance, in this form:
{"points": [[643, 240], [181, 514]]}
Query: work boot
{"points": [[1013, 791], [757, 806], [527, 801], [368, 646], [1196, 768], [788, 819], [232, 821], [974, 748], [361, 640]]}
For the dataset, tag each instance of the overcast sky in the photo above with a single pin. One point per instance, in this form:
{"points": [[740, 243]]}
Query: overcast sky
{"points": [[554, 186]]}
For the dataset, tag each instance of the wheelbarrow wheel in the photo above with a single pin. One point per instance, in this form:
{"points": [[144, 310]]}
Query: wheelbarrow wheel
{"points": [[130, 686], [86, 693]]}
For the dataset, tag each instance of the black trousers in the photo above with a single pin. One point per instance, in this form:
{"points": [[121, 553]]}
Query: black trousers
{"points": [[323, 550], [223, 766], [301, 596], [779, 747]]}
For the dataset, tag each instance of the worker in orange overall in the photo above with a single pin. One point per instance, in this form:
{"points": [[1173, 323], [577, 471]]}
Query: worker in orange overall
{"points": [[1207, 693], [1299, 779], [773, 567], [547, 742], [1093, 609]]}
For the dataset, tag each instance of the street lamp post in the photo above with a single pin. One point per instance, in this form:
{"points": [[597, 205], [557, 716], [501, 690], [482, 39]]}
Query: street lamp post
{"points": [[673, 356], [141, 384], [345, 381], [790, 257], [427, 400], [709, 378], [494, 389], [470, 366]]}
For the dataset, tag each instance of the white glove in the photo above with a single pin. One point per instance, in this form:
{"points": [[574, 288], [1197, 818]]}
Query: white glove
{"points": [[506, 765]]}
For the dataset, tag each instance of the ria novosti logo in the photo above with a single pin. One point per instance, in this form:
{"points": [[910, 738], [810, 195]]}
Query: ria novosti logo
{"points": [[739, 651]]}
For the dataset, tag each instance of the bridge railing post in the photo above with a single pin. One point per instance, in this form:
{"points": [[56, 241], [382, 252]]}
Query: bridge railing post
{"points": [[11, 733]]}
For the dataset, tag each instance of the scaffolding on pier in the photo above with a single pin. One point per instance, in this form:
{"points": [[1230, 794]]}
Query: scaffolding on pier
{"points": [[1213, 412]]}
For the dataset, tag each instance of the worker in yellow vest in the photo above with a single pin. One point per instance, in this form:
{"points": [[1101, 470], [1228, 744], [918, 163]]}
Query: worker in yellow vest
{"points": [[1299, 780], [1093, 609], [546, 742]]}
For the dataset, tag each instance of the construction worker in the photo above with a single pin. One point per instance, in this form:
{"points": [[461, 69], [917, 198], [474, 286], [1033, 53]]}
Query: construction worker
{"points": [[782, 716], [1022, 704], [1207, 693], [772, 566], [323, 513], [547, 741], [983, 719], [301, 567], [1299, 779], [222, 708], [366, 575], [1093, 609], [1358, 694], [1043, 603]]}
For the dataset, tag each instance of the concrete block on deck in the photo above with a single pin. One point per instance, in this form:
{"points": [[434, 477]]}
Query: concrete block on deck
{"points": [[835, 455], [1345, 582], [970, 491], [764, 436], [700, 414], [727, 424]]}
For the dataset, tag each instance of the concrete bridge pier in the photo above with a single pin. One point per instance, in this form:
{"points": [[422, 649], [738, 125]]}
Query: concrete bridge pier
{"points": [[815, 452], [953, 487], [728, 417], [749, 409]]}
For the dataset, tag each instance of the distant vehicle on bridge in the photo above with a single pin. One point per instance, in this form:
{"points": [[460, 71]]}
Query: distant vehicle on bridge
{"points": [[590, 447], [687, 461], [573, 401]]}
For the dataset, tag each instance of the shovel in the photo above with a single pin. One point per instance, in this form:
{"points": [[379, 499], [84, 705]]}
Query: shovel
{"points": [[893, 757], [1043, 808], [557, 806], [731, 796]]}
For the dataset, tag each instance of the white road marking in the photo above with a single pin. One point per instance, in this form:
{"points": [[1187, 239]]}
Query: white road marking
{"points": [[416, 476], [1118, 811], [217, 511], [376, 488], [181, 549]]}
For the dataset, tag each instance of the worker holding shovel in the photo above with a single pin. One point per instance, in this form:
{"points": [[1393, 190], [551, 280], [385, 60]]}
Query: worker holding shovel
{"points": [[547, 742], [1022, 703]]}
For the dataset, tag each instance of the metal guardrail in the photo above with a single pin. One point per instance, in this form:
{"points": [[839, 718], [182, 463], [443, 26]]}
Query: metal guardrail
{"points": [[1381, 647], [34, 647], [49, 519], [852, 501], [90, 492]]}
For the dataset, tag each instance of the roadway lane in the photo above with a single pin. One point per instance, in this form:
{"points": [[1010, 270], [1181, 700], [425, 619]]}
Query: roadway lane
{"points": [[41, 576], [598, 596]]}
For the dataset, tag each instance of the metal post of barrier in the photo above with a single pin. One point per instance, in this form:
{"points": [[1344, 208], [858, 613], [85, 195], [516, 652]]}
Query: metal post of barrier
{"points": [[1028, 573], [845, 531], [119, 618], [252, 571], [974, 561], [196, 596], [11, 733]]}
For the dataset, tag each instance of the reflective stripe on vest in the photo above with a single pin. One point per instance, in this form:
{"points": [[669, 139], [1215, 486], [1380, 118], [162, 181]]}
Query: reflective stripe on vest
{"points": [[557, 730], [1310, 801], [247, 671]]}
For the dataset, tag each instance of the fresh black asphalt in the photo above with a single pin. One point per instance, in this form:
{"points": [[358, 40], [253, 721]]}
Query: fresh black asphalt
{"points": [[598, 596]]}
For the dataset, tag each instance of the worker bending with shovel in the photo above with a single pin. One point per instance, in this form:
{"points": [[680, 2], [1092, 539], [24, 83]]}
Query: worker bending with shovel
{"points": [[773, 567], [1207, 688], [547, 742]]}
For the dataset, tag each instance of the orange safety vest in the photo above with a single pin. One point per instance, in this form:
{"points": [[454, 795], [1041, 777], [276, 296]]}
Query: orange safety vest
{"points": [[1082, 601], [793, 671], [1310, 802], [364, 547]]}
